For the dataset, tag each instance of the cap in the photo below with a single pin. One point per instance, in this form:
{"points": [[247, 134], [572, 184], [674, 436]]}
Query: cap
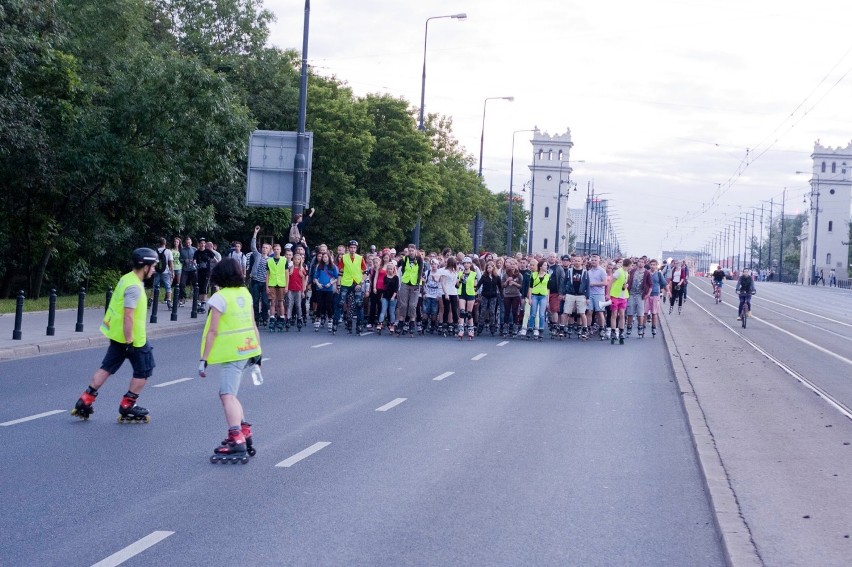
{"points": [[202, 239], [433, 261], [372, 246], [393, 250], [466, 260], [566, 257], [288, 246]]}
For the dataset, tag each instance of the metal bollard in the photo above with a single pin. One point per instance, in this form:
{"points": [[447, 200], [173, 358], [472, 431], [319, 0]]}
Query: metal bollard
{"points": [[81, 305], [19, 316], [51, 314], [154, 302], [175, 302], [194, 314], [108, 299]]}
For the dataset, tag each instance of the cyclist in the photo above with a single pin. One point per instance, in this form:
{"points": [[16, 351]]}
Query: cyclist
{"points": [[718, 280], [745, 289]]}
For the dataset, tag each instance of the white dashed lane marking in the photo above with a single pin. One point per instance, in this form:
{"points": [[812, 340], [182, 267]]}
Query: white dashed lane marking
{"points": [[391, 404], [480, 356], [133, 549], [32, 417], [503, 343], [320, 345], [304, 454], [178, 381], [444, 375]]}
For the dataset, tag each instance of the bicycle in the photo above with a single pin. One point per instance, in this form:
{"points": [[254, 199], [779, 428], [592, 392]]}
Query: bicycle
{"points": [[717, 292], [745, 308]]}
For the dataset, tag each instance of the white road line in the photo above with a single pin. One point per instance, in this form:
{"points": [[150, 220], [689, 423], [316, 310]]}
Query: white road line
{"points": [[178, 381], [265, 359], [836, 404], [133, 549], [391, 404], [366, 333], [503, 343], [480, 356], [32, 417], [444, 375], [290, 461], [320, 345], [786, 332]]}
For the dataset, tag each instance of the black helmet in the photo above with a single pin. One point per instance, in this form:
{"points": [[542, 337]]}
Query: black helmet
{"points": [[143, 257], [353, 243]]}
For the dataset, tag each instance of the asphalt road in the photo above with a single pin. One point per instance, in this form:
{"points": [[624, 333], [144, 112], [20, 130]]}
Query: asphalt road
{"points": [[539, 453], [807, 328]]}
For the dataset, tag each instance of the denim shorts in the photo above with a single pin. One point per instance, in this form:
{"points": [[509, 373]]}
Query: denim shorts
{"points": [[430, 306], [230, 374]]}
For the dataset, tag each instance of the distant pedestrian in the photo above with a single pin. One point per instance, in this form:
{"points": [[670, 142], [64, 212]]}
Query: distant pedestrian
{"points": [[832, 278], [124, 326]]}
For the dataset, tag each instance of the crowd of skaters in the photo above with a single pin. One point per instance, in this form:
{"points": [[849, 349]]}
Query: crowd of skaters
{"points": [[450, 293]]}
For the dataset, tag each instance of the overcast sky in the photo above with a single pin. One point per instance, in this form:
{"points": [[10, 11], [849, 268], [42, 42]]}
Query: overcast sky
{"points": [[662, 97]]}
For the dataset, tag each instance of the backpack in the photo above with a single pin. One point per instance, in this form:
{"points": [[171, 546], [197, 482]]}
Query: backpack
{"points": [[295, 237], [161, 261], [250, 264]]}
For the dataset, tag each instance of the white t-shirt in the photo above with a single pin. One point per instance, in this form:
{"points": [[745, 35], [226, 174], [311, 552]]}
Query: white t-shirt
{"points": [[448, 280], [217, 301]]}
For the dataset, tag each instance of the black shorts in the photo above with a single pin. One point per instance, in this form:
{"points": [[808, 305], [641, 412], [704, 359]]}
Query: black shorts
{"points": [[141, 358], [465, 297], [203, 281]]}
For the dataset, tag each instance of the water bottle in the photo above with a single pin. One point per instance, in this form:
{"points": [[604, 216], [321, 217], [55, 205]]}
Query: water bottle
{"points": [[256, 375]]}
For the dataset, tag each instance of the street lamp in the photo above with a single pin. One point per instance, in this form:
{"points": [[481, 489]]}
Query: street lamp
{"points": [[421, 126], [814, 191], [478, 220], [559, 197], [511, 198]]}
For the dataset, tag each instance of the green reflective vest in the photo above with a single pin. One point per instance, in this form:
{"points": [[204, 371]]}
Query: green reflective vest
{"points": [[352, 270], [539, 285], [467, 286], [236, 337], [619, 289], [113, 324], [409, 276], [277, 272]]}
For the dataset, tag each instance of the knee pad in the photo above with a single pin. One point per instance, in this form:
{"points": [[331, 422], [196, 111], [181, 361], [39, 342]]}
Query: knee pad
{"points": [[463, 314]]}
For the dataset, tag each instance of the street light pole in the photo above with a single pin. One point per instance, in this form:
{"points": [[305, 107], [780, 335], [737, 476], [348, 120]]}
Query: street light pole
{"points": [[781, 245], [532, 208], [511, 194], [814, 191], [300, 162], [421, 126], [478, 220]]}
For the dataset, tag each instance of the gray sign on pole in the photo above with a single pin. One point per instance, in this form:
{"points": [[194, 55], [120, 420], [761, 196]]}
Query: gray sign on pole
{"points": [[270, 168]]}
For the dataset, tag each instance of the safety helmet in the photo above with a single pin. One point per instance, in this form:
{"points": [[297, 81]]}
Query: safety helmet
{"points": [[353, 243], [143, 257]]}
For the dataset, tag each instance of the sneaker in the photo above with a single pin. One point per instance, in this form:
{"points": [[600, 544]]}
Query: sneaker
{"points": [[739, 318]]}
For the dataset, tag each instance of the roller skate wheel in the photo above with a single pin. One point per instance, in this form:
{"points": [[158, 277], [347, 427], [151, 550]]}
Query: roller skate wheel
{"points": [[214, 459], [252, 452]]}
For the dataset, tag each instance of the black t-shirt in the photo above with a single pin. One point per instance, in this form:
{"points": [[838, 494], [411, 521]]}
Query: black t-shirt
{"points": [[391, 286], [203, 259], [718, 275], [746, 285], [576, 280]]}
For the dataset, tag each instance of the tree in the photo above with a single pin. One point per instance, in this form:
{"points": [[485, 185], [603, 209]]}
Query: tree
{"points": [[494, 236]]}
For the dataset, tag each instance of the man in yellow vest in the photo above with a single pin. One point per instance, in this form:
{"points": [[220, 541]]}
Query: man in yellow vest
{"points": [[351, 267], [411, 270], [619, 294], [276, 287], [124, 326], [231, 339]]}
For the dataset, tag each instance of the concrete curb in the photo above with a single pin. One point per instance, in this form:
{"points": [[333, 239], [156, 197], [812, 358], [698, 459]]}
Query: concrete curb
{"points": [[80, 343], [737, 542]]}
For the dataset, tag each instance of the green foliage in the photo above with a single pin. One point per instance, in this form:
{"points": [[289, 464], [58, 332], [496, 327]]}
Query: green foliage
{"points": [[496, 223], [127, 120]]}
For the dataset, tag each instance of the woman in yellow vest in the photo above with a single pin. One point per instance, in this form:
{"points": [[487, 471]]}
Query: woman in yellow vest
{"points": [[124, 326], [467, 298], [537, 297], [230, 339]]}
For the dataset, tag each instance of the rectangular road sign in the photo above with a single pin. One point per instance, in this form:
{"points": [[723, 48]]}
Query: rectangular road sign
{"points": [[270, 168]]}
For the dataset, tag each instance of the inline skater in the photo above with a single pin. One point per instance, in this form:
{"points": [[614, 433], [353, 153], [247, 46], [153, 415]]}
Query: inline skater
{"points": [[490, 287], [677, 285], [325, 279], [619, 295], [745, 289], [124, 326], [467, 298], [276, 287], [352, 267], [411, 271], [230, 339], [537, 297], [575, 291], [639, 285], [652, 302]]}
